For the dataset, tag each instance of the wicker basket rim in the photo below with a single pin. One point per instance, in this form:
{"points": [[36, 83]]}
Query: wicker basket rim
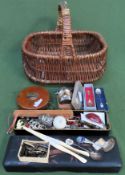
{"points": [[38, 56]]}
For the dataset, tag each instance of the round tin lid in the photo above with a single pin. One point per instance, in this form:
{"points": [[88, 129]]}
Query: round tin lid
{"points": [[33, 97]]}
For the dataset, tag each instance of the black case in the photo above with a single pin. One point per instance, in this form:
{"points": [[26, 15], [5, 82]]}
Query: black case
{"points": [[111, 161]]}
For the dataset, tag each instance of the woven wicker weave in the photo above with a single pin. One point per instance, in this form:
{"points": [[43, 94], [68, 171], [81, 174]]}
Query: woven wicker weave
{"points": [[64, 56]]}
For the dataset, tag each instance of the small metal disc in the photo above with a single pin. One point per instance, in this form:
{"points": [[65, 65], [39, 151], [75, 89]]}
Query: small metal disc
{"points": [[69, 141]]}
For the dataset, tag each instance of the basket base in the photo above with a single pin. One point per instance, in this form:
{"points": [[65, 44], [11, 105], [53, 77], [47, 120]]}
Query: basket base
{"points": [[81, 76]]}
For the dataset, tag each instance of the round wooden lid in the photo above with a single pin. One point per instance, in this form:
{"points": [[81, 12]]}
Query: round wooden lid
{"points": [[33, 97]]}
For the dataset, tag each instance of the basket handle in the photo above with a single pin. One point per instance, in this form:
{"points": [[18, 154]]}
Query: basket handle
{"points": [[64, 25], [59, 26]]}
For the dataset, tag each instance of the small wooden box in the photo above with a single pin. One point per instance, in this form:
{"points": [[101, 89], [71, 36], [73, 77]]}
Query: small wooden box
{"points": [[34, 159]]}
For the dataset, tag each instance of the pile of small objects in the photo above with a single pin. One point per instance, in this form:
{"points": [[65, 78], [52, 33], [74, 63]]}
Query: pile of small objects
{"points": [[34, 149], [85, 120], [85, 97]]}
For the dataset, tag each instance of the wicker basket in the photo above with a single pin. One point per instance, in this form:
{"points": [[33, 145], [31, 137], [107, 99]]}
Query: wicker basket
{"points": [[64, 56]]}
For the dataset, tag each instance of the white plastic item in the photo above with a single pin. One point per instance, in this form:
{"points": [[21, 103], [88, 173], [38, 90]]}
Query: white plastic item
{"points": [[59, 122]]}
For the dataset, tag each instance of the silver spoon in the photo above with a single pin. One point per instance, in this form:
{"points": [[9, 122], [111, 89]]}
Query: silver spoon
{"points": [[108, 145], [94, 155], [82, 139]]}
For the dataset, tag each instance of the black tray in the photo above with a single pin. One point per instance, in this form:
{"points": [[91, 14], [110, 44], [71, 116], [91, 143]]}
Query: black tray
{"points": [[34, 113]]}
